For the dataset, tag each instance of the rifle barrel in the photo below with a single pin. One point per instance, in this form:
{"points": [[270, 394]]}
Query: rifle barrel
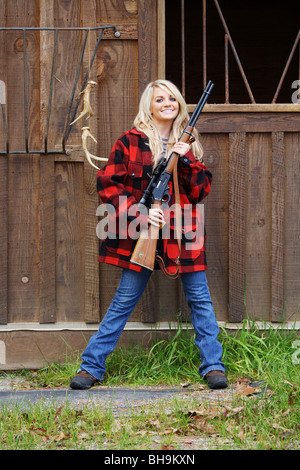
{"points": [[201, 104]]}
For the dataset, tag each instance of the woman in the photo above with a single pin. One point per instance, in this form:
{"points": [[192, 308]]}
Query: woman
{"points": [[121, 183]]}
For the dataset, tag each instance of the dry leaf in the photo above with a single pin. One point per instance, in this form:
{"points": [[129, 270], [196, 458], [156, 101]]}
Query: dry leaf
{"points": [[58, 412], [210, 412], [280, 428], [116, 426], [186, 384], [228, 411], [205, 427], [156, 423], [38, 431], [245, 390], [61, 437]]}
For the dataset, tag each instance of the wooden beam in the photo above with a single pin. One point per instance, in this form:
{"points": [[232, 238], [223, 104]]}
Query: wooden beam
{"points": [[147, 27], [216, 211], [237, 225], [3, 240], [23, 237], [3, 179], [47, 240], [248, 122], [91, 199], [258, 226], [248, 108], [278, 204], [161, 39]]}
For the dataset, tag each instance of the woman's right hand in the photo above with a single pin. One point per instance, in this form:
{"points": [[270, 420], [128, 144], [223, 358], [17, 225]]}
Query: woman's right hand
{"points": [[156, 217]]}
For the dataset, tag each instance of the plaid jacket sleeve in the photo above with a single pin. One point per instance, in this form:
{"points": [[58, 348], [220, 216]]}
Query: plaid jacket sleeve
{"points": [[194, 177], [113, 188]]}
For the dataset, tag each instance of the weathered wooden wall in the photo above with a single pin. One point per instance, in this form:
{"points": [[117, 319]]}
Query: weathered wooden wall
{"points": [[251, 214], [52, 289]]}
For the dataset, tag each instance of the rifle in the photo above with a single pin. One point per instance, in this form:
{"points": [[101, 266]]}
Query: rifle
{"points": [[157, 191]]}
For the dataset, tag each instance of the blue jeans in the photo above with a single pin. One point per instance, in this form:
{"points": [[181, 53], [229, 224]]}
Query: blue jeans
{"points": [[130, 290]]}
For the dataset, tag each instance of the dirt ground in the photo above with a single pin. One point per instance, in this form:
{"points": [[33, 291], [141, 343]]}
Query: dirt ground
{"points": [[125, 401]]}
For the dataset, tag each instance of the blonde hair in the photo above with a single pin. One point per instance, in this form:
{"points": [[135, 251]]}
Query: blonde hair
{"points": [[144, 121]]}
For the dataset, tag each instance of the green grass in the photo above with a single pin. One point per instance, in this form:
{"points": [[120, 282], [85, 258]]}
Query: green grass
{"points": [[269, 421]]}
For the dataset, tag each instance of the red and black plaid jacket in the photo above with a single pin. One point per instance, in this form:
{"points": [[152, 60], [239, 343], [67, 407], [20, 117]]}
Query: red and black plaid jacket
{"points": [[121, 184]]}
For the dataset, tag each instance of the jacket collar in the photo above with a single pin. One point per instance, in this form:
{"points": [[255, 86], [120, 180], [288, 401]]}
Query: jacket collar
{"points": [[137, 132]]}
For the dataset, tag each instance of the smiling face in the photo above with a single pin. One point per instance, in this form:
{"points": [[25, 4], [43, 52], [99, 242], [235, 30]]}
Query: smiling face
{"points": [[164, 106]]}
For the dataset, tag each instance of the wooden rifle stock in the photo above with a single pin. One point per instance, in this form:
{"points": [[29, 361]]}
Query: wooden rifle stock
{"points": [[144, 253]]}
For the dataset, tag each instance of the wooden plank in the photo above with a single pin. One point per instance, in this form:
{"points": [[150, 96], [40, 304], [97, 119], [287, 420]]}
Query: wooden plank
{"points": [[47, 239], [127, 31], [147, 42], [277, 225], [46, 59], [117, 91], [247, 108], [122, 14], [216, 155], [3, 178], [258, 226], [22, 14], [3, 78], [47, 177], [161, 39], [69, 221], [23, 237], [237, 225], [3, 240], [116, 12], [248, 122], [291, 269], [21, 349], [69, 177], [35, 349], [69, 49], [91, 199]]}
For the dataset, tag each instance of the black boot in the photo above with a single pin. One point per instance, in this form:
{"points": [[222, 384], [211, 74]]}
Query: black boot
{"points": [[83, 381], [216, 379]]}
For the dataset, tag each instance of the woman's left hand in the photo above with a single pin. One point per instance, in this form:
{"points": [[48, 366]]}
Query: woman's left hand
{"points": [[181, 148]]}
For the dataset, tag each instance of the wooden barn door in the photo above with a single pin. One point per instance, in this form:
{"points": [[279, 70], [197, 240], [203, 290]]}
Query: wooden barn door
{"points": [[50, 279], [51, 272], [250, 132]]}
